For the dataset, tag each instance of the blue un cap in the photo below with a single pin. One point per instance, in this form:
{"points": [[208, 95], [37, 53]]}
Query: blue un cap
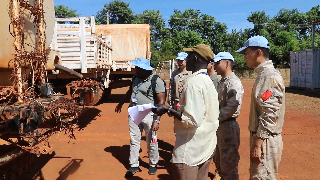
{"points": [[182, 56], [258, 41], [142, 63], [223, 55]]}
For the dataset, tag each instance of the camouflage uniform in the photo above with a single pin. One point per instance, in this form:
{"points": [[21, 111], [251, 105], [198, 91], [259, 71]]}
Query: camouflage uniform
{"points": [[230, 92], [266, 119], [171, 87], [177, 86]]}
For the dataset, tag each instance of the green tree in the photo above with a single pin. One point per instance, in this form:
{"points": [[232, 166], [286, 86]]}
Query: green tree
{"points": [[293, 20], [119, 13], [213, 33], [259, 20], [62, 11], [314, 15], [282, 44]]}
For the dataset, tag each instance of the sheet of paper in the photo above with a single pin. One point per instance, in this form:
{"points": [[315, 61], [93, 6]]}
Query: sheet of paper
{"points": [[139, 112]]}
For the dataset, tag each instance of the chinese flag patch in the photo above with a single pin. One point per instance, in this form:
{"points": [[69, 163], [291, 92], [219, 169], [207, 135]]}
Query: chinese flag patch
{"points": [[266, 95]]}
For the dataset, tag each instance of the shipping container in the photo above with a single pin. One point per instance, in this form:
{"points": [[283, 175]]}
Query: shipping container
{"points": [[305, 69]]}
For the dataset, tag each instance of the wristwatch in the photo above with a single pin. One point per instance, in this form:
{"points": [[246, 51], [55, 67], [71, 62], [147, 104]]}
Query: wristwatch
{"points": [[157, 121]]}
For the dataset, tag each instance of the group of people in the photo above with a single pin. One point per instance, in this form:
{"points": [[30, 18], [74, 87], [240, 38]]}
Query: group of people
{"points": [[205, 100]]}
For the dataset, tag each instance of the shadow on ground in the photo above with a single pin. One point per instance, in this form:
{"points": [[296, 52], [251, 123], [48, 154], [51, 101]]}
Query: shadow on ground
{"points": [[121, 153], [34, 171], [113, 98], [86, 117], [304, 92]]}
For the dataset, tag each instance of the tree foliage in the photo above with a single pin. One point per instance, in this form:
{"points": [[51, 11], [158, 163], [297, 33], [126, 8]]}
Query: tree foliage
{"points": [[118, 11], [64, 12], [289, 30]]}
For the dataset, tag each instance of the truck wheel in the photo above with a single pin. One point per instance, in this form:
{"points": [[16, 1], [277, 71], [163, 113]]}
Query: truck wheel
{"points": [[97, 96]]}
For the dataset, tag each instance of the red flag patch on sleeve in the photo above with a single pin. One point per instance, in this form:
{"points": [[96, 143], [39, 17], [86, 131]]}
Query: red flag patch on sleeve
{"points": [[266, 95]]}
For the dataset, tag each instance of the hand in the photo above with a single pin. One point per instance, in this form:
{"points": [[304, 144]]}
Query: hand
{"points": [[118, 108], [255, 154], [155, 126], [161, 109], [180, 88]]}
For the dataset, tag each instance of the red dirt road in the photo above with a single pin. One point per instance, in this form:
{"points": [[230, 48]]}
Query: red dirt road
{"points": [[101, 149]]}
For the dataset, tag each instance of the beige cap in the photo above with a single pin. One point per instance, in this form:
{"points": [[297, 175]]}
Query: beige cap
{"points": [[203, 50]]}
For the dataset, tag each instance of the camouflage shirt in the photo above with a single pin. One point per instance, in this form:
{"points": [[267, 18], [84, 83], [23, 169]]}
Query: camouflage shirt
{"points": [[176, 84], [230, 93], [267, 101]]}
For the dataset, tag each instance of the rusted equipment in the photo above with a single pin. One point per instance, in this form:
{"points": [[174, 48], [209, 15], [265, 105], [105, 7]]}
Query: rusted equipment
{"points": [[86, 92], [11, 155], [60, 67], [30, 112]]}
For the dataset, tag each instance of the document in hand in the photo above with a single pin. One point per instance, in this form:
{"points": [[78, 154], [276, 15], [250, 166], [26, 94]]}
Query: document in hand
{"points": [[138, 112]]}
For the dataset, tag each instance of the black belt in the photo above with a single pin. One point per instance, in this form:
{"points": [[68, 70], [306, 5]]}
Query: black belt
{"points": [[272, 134], [227, 120]]}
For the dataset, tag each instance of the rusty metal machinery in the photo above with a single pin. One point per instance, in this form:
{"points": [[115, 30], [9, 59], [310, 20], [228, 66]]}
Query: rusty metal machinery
{"points": [[86, 91], [30, 112]]}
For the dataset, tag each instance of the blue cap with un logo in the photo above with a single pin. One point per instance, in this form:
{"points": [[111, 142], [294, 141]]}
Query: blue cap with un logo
{"points": [[182, 56], [258, 41], [222, 55]]}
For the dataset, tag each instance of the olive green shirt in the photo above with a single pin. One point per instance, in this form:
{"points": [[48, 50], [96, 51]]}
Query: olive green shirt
{"points": [[140, 90]]}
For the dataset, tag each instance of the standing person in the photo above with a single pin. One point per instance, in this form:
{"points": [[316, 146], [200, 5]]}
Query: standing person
{"points": [[196, 120], [213, 75], [146, 88], [266, 112], [230, 93], [177, 77]]}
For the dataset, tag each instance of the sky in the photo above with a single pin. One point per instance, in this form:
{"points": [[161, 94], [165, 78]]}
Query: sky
{"points": [[233, 13]]}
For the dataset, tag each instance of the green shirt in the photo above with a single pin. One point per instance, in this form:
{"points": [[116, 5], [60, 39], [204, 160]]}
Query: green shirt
{"points": [[140, 90]]}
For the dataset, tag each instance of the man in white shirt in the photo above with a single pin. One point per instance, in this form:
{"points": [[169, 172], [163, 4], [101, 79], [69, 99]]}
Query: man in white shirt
{"points": [[196, 119]]}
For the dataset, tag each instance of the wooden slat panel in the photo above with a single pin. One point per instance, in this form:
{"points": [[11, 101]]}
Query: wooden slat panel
{"points": [[70, 54], [77, 65], [75, 58], [75, 49], [70, 44]]}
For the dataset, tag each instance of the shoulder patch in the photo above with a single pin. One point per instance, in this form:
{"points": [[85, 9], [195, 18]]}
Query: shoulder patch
{"points": [[266, 95]]}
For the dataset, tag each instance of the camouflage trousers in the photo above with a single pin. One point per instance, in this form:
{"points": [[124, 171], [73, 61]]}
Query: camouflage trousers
{"points": [[271, 150], [227, 155]]}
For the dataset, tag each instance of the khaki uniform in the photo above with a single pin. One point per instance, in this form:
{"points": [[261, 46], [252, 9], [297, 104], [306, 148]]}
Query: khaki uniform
{"points": [[172, 87], [141, 95], [177, 85], [266, 119], [230, 93]]}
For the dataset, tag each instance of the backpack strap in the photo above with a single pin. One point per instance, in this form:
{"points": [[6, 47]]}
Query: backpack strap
{"points": [[153, 87], [133, 78]]}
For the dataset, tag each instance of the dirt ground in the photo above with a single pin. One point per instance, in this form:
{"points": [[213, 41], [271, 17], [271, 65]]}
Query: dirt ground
{"points": [[101, 149]]}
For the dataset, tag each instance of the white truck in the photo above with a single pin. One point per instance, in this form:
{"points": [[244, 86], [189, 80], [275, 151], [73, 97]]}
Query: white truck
{"points": [[102, 53]]}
